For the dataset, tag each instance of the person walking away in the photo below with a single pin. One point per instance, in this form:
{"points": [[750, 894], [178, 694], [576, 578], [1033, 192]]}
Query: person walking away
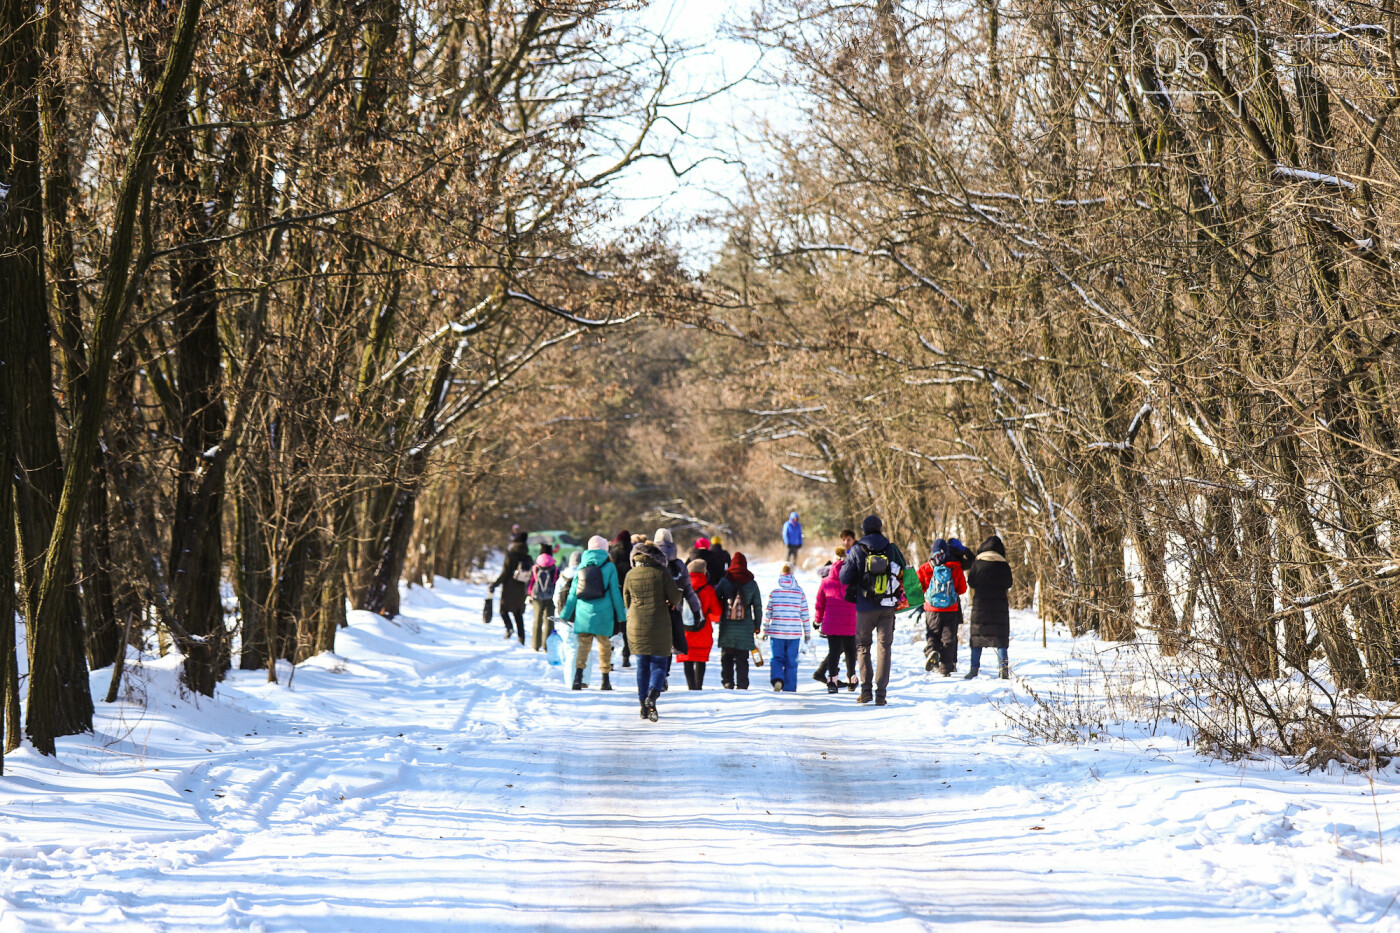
{"points": [[666, 543], [620, 551], [836, 620], [719, 560], [743, 608], [792, 537], [515, 576], [990, 619], [787, 621], [566, 580], [543, 579], [872, 571], [943, 582], [595, 608], [700, 636], [649, 594]]}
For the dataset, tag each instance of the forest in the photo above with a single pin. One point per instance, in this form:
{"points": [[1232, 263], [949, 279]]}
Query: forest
{"points": [[301, 300]]}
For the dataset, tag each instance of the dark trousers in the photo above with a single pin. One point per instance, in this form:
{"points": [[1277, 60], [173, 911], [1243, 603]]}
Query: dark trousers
{"points": [[838, 645], [519, 621], [651, 674], [626, 647], [695, 674], [792, 554], [941, 637], [734, 667]]}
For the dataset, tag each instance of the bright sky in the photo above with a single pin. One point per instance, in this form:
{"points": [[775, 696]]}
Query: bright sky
{"points": [[714, 132]]}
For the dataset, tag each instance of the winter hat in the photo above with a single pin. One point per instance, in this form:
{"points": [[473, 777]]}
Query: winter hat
{"points": [[872, 525], [665, 543], [623, 537], [638, 539], [716, 541], [786, 571], [702, 544], [840, 553], [698, 566], [647, 553], [940, 550], [518, 537], [739, 569], [597, 543]]}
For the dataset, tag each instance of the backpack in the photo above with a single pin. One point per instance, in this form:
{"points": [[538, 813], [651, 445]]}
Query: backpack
{"points": [[737, 610], [590, 582], [876, 581], [941, 593], [521, 574], [545, 578]]}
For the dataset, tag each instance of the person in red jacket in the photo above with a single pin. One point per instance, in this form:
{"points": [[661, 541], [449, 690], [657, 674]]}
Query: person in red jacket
{"points": [[699, 641], [944, 582]]}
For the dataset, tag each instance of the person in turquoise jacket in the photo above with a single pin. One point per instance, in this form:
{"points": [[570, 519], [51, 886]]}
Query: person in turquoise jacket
{"points": [[595, 619]]}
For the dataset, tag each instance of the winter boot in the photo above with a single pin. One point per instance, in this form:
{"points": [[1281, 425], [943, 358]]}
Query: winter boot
{"points": [[607, 684], [930, 664], [651, 706], [1006, 672], [578, 678], [865, 697], [945, 671], [971, 673], [777, 686], [831, 686], [880, 700], [851, 687], [644, 709], [819, 676]]}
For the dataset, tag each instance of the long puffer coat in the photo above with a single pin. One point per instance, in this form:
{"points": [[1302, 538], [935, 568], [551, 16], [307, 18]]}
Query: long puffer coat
{"points": [[649, 593], [989, 579], [512, 590]]}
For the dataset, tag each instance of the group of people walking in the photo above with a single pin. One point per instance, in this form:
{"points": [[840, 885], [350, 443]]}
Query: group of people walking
{"points": [[641, 589]]}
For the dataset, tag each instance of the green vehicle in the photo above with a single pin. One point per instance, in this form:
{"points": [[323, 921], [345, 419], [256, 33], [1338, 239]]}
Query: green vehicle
{"points": [[563, 542]]}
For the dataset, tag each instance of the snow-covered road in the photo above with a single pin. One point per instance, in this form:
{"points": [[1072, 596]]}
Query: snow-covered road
{"points": [[433, 776]]}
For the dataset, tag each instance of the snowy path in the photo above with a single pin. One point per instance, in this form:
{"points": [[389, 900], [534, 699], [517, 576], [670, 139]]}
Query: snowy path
{"points": [[433, 777]]}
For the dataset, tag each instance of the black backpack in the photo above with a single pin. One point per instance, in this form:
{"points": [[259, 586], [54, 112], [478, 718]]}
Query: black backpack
{"points": [[590, 582]]}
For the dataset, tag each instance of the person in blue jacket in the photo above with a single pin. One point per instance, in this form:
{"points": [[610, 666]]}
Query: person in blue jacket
{"points": [[792, 537], [594, 619]]}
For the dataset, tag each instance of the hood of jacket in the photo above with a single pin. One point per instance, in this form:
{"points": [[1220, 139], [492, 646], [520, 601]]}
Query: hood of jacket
{"points": [[835, 572], [647, 554], [993, 544], [594, 558], [787, 581], [738, 572], [699, 581], [792, 517]]}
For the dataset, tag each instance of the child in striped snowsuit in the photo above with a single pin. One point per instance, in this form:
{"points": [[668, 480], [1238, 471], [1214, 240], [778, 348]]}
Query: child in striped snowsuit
{"points": [[786, 622]]}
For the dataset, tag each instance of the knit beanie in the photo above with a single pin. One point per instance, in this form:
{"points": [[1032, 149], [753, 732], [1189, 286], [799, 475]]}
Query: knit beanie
{"points": [[872, 525], [597, 543], [698, 566]]}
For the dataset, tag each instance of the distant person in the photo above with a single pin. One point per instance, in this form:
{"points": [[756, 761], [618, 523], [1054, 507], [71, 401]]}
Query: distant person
{"points": [[515, 576], [836, 620], [595, 607], [620, 551], [666, 543], [543, 578], [872, 572], [786, 626], [743, 608], [990, 620], [792, 537], [701, 551], [700, 635], [848, 540], [566, 579], [719, 560], [943, 582], [649, 595]]}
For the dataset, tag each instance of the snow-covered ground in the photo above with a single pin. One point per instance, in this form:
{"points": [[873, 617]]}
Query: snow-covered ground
{"points": [[432, 776]]}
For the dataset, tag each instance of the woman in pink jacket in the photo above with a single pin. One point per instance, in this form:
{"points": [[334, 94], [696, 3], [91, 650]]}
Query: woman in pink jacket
{"points": [[836, 619]]}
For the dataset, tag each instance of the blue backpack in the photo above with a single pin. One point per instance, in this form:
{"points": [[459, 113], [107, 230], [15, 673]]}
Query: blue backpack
{"points": [[941, 592]]}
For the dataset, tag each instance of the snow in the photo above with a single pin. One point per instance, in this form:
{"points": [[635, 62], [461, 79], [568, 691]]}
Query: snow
{"points": [[432, 776], [1284, 171]]}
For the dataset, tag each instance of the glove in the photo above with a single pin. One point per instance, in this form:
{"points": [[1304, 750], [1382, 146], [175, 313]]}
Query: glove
{"points": [[806, 639], [491, 589]]}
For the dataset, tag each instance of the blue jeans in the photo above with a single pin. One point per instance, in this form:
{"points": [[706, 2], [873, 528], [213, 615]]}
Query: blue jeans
{"points": [[785, 662], [651, 673], [977, 657]]}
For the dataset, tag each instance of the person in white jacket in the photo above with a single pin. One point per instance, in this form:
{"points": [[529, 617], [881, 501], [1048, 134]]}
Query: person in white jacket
{"points": [[786, 621]]}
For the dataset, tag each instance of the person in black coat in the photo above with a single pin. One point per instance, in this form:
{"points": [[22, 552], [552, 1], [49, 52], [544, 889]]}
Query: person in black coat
{"points": [[719, 558], [513, 590], [620, 553], [989, 579]]}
